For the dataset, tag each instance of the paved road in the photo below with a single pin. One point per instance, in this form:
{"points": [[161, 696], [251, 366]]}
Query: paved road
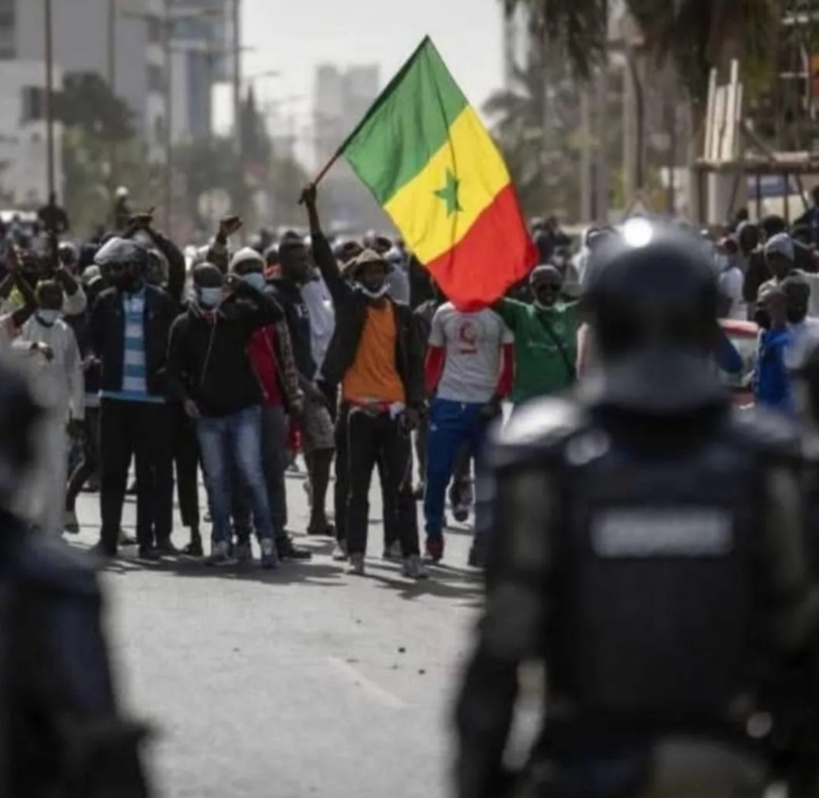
{"points": [[302, 682]]}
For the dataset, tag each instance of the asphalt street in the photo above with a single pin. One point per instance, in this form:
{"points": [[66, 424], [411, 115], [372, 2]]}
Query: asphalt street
{"points": [[295, 683]]}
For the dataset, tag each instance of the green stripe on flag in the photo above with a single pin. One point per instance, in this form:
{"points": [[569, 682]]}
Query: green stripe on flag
{"points": [[407, 124]]}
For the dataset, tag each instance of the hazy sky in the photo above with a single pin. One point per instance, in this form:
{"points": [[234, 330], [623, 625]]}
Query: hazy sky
{"points": [[293, 36]]}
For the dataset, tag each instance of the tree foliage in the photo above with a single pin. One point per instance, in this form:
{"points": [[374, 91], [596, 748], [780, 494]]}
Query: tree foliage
{"points": [[696, 35], [87, 102], [535, 120]]}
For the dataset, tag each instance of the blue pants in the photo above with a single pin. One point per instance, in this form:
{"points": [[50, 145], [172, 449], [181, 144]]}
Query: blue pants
{"points": [[227, 442], [451, 424]]}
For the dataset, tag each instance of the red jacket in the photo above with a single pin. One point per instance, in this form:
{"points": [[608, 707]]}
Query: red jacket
{"points": [[264, 360]]}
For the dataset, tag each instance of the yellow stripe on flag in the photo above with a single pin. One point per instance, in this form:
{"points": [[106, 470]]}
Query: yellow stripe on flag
{"points": [[436, 209]]}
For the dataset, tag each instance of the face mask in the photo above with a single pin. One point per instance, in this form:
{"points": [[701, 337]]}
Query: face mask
{"points": [[254, 280], [209, 297], [377, 294], [762, 318], [48, 317]]}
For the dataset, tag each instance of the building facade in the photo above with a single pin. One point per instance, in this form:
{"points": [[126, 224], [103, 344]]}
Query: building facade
{"points": [[81, 38], [202, 55], [23, 136]]}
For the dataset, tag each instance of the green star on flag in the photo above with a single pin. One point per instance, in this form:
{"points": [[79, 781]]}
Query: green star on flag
{"points": [[449, 194]]}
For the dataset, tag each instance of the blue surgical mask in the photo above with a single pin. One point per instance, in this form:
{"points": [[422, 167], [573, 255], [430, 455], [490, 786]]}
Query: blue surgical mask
{"points": [[209, 297], [48, 317], [255, 280]]}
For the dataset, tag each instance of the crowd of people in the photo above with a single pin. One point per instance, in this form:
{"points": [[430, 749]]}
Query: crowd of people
{"points": [[233, 359]]}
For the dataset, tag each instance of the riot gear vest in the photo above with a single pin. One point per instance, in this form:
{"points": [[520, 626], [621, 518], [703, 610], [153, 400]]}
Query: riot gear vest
{"points": [[655, 575]]}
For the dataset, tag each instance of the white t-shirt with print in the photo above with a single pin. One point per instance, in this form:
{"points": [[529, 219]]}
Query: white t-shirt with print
{"points": [[472, 344]]}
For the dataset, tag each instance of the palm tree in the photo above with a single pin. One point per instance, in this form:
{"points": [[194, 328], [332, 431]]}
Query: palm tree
{"points": [[695, 35], [533, 120]]}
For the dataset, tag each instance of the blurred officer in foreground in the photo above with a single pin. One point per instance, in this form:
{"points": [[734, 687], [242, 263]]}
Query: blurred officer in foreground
{"points": [[61, 734], [649, 549]]}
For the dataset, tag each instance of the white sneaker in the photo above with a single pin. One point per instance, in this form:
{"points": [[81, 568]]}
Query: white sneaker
{"points": [[356, 566], [220, 554], [340, 551], [413, 569]]}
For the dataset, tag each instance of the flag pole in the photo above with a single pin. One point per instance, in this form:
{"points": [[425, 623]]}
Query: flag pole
{"points": [[373, 108]]}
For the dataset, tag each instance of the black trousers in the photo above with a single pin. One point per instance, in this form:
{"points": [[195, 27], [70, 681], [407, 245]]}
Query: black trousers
{"points": [[141, 430], [370, 439], [186, 460], [90, 457]]}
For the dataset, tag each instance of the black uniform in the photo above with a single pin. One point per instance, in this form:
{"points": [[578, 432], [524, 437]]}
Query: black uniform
{"points": [[61, 733], [648, 547]]}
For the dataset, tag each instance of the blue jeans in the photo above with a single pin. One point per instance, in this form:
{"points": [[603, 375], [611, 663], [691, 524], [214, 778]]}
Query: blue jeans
{"points": [[451, 424], [227, 442]]}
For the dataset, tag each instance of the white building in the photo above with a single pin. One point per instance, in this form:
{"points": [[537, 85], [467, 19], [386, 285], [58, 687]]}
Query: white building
{"points": [[81, 45], [23, 136]]}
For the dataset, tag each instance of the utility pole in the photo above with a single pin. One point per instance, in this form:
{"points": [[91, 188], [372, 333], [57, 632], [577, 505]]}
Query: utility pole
{"points": [[50, 147], [167, 39], [113, 154], [238, 133]]}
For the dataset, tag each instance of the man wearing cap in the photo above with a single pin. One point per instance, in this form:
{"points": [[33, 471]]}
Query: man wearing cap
{"points": [[780, 258], [376, 358]]}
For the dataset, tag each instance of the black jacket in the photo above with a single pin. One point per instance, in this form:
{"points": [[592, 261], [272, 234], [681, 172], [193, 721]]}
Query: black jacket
{"points": [[351, 315], [208, 360], [297, 316], [106, 335]]}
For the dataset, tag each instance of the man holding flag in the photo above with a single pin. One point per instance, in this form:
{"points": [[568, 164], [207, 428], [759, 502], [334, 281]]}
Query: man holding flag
{"points": [[376, 357], [430, 163]]}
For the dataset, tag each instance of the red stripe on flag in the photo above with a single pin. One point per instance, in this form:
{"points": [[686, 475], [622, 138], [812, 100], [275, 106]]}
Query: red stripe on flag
{"points": [[496, 253]]}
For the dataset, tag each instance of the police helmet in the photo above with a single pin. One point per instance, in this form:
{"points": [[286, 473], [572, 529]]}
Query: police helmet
{"points": [[653, 301]]}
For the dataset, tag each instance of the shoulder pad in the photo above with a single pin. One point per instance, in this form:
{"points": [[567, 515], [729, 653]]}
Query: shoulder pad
{"points": [[539, 427], [51, 565], [770, 432]]}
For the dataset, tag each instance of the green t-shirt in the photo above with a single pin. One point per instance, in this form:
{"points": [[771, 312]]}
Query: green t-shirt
{"points": [[540, 369]]}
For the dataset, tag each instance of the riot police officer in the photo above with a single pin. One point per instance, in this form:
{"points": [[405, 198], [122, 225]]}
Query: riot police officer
{"points": [[648, 548], [61, 733]]}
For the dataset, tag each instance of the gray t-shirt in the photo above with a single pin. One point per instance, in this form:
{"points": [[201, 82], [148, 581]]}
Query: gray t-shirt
{"points": [[472, 344]]}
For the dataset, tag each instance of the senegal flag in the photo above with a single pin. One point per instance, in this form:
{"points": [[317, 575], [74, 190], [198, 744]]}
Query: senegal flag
{"points": [[428, 160]]}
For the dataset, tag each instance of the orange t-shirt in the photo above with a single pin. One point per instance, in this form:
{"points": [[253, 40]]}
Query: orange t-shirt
{"points": [[373, 375]]}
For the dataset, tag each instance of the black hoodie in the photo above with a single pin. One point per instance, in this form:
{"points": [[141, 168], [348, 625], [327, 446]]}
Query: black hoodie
{"points": [[207, 357]]}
